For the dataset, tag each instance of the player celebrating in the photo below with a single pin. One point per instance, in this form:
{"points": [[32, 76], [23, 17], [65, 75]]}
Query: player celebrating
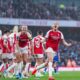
{"points": [[38, 50], [5, 48], [24, 37], [13, 54], [25, 72], [53, 39]]}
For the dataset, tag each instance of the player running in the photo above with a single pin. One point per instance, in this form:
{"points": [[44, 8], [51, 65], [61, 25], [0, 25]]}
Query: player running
{"points": [[53, 39]]}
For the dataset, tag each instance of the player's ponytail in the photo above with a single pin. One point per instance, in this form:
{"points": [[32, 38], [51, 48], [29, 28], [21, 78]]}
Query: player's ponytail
{"points": [[15, 29]]}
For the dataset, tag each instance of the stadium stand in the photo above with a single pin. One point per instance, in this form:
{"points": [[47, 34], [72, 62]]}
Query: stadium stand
{"points": [[47, 9]]}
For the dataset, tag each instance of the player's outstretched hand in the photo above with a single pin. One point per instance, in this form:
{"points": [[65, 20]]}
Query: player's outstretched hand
{"points": [[69, 44]]}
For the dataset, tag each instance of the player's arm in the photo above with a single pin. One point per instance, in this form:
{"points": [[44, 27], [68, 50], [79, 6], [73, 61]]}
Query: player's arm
{"points": [[43, 43], [46, 37], [29, 36], [17, 43], [5, 43], [64, 41], [32, 43]]}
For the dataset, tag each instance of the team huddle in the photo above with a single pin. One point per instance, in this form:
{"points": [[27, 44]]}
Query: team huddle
{"points": [[18, 48]]}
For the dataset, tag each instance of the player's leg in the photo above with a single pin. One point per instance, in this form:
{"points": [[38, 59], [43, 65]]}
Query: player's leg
{"points": [[50, 55], [18, 71], [39, 61], [26, 61], [27, 64], [1, 65], [5, 60], [40, 67], [55, 63], [1, 62], [15, 61]]}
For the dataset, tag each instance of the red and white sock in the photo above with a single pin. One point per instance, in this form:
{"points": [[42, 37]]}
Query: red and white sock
{"points": [[50, 69], [2, 65]]}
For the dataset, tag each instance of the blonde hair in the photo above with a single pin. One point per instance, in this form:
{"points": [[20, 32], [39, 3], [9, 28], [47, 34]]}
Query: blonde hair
{"points": [[15, 29], [55, 24]]}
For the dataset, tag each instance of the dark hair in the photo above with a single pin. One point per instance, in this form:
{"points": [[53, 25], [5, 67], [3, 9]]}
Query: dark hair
{"points": [[39, 32], [6, 31]]}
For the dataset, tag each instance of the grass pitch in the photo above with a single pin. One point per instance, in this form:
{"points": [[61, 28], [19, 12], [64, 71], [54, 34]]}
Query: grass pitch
{"points": [[61, 76]]}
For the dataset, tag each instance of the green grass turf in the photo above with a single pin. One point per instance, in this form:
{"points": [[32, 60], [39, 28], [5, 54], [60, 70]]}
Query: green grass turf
{"points": [[60, 76]]}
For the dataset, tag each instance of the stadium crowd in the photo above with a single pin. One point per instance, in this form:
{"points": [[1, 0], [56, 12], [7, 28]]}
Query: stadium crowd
{"points": [[30, 10], [70, 53]]}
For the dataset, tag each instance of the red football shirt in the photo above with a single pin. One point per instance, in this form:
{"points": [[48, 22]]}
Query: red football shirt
{"points": [[38, 45], [23, 40], [5, 40], [53, 39]]}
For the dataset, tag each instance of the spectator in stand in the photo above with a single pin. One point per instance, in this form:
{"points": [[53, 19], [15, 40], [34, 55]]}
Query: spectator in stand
{"points": [[71, 63], [27, 8]]}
